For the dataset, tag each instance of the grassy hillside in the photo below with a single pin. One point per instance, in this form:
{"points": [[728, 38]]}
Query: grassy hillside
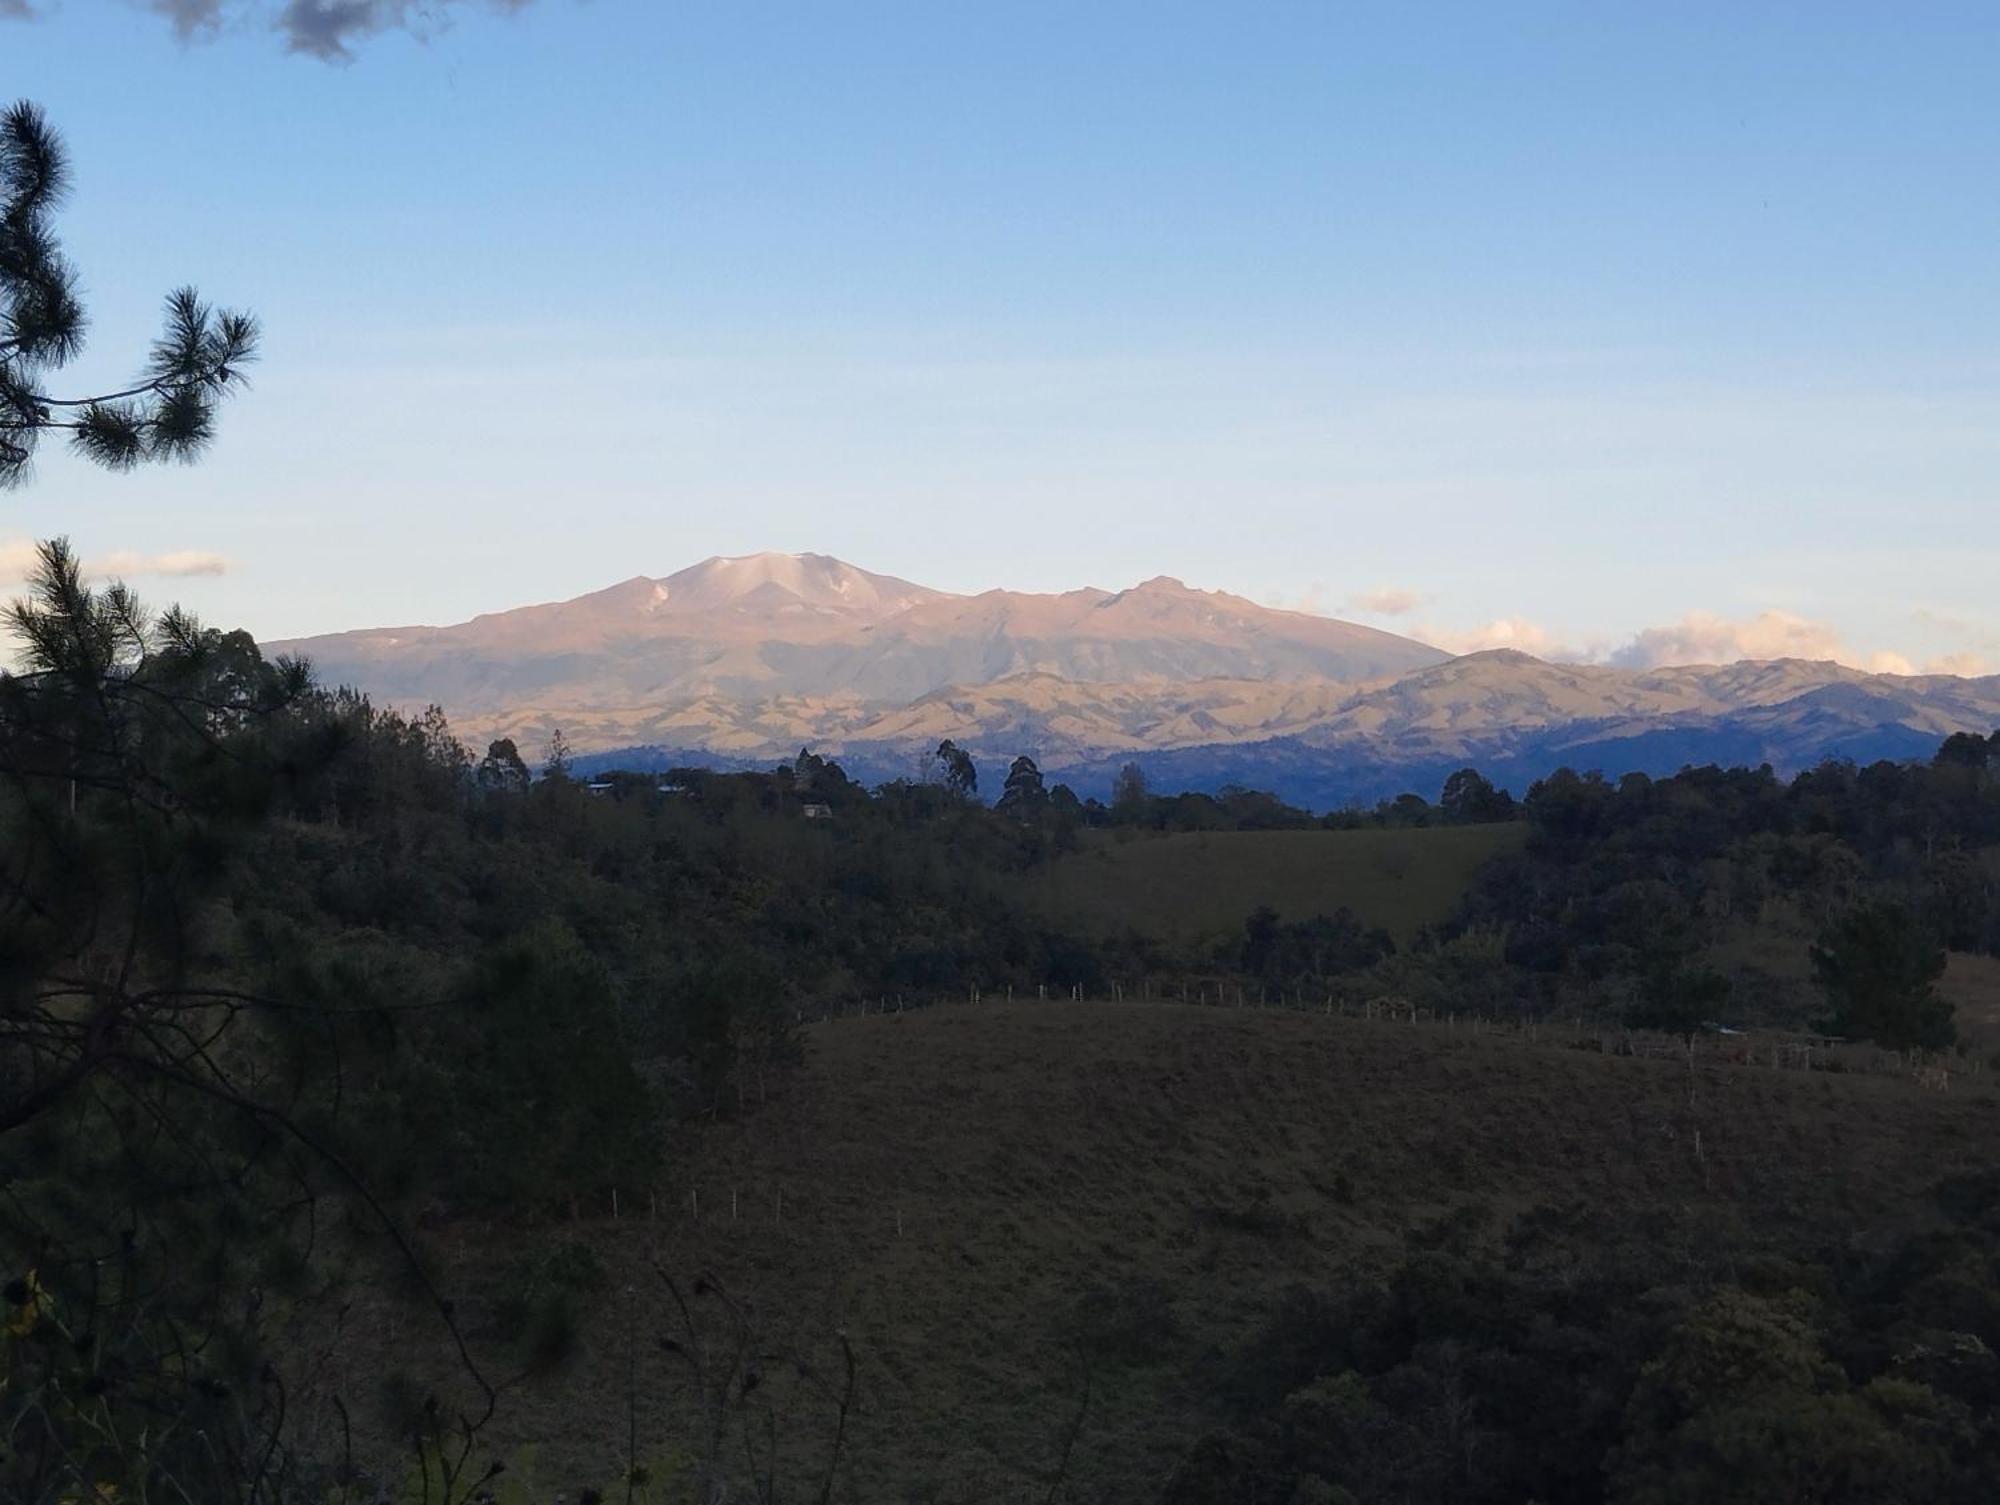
{"points": [[977, 1195], [1203, 882]]}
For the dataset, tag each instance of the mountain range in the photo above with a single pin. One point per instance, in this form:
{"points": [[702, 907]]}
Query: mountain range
{"points": [[744, 660]]}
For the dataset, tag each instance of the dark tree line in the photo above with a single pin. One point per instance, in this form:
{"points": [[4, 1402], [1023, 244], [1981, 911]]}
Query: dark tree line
{"points": [[1625, 888]]}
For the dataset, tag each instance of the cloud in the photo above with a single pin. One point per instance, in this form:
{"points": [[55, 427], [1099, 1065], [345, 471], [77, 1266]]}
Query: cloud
{"points": [[1311, 601], [192, 20], [327, 29], [1502, 632], [17, 562], [1702, 638], [1697, 638], [175, 563], [1387, 601], [1969, 664], [17, 555], [323, 29]]}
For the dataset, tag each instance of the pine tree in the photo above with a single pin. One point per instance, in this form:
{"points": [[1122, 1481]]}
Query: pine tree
{"points": [[168, 411]]}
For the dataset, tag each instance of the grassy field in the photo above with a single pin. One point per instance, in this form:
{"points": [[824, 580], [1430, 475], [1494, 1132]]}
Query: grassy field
{"points": [[1191, 884], [968, 1193]]}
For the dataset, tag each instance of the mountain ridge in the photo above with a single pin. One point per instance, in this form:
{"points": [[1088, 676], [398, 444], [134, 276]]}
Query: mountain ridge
{"points": [[752, 656]]}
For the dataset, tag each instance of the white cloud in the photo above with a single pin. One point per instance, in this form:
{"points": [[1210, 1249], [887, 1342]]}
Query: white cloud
{"points": [[1517, 633], [1387, 601], [173, 563], [17, 562], [1702, 638], [1698, 638], [1968, 664]]}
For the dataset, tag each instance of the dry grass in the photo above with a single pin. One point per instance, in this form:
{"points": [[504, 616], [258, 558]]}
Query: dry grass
{"points": [[1190, 884], [954, 1181]]}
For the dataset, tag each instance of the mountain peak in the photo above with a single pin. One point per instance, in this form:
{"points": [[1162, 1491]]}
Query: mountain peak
{"points": [[767, 581]]}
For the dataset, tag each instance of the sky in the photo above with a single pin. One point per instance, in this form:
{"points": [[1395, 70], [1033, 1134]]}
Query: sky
{"points": [[1641, 333]]}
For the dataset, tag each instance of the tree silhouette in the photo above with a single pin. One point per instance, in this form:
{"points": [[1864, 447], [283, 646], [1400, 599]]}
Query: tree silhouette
{"points": [[501, 771], [955, 763], [1470, 799], [556, 765], [1129, 793], [1023, 795], [167, 412]]}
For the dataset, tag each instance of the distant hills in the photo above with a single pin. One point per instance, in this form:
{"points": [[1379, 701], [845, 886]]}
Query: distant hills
{"points": [[748, 659]]}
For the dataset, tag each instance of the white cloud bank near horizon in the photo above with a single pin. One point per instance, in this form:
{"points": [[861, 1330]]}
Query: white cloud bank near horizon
{"points": [[1700, 637], [18, 557]]}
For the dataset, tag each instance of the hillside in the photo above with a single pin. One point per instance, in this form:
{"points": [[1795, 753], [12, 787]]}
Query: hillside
{"points": [[968, 1190]]}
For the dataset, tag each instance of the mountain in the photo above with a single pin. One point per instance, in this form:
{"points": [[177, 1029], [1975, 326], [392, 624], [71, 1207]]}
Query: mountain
{"points": [[770, 650], [748, 659]]}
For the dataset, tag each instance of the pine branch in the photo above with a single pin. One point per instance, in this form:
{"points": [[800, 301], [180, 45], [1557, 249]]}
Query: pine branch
{"points": [[168, 413]]}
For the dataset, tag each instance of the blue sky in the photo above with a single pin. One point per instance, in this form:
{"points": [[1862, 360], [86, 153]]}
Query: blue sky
{"points": [[1641, 331]]}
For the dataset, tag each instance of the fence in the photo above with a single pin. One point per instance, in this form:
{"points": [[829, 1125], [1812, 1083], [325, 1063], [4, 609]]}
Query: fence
{"points": [[1777, 1050]]}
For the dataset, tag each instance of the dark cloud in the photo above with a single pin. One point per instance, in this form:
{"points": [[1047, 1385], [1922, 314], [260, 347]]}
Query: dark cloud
{"points": [[190, 19], [325, 29], [328, 29]]}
